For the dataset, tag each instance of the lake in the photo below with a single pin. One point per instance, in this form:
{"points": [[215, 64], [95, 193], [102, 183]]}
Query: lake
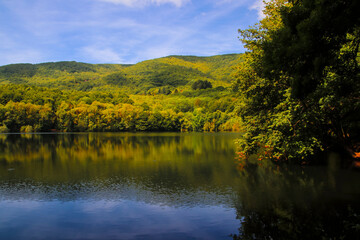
{"points": [[165, 186]]}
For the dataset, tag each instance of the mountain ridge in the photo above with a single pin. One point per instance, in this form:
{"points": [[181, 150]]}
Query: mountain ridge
{"points": [[174, 71]]}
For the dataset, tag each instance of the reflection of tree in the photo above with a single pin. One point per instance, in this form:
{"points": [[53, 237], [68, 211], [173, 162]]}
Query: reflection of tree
{"points": [[297, 204], [167, 164]]}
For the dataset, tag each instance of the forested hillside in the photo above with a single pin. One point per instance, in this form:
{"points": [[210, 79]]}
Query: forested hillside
{"points": [[173, 72], [175, 93]]}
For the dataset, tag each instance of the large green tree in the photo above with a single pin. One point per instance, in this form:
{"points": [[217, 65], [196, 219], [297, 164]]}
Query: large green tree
{"points": [[313, 39], [300, 80]]}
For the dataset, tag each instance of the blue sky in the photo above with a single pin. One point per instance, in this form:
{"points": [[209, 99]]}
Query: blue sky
{"points": [[120, 31]]}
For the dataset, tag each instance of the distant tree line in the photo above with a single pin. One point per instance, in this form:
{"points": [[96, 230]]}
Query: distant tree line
{"points": [[34, 109]]}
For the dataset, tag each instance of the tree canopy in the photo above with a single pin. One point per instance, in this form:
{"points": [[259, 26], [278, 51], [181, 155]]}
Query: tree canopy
{"points": [[312, 40], [299, 82], [201, 84]]}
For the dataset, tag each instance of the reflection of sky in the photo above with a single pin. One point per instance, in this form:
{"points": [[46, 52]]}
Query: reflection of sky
{"points": [[112, 191], [123, 219], [97, 186]]}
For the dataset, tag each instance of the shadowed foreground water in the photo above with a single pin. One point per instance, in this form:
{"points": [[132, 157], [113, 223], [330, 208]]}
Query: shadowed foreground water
{"points": [[164, 186]]}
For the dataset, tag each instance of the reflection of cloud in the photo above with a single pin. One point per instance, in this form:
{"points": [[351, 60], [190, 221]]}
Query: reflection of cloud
{"points": [[10, 209], [120, 220], [98, 206], [23, 205], [142, 3], [136, 219]]}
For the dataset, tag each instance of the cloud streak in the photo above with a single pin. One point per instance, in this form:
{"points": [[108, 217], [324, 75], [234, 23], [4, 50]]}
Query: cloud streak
{"points": [[21, 56], [142, 3], [98, 32], [103, 55]]}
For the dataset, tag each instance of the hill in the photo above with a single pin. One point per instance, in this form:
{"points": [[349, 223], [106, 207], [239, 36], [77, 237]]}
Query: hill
{"points": [[174, 93], [172, 72]]}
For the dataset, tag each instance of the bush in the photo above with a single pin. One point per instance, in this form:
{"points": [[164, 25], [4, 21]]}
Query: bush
{"points": [[201, 84], [4, 129], [27, 129]]}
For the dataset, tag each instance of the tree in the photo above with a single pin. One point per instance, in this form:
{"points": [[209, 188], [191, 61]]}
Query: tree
{"points": [[299, 81], [201, 84], [118, 78], [318, 50], [311, 40]]}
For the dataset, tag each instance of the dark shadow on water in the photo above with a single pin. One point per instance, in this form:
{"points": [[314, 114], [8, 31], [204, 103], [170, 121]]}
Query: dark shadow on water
{"points": [[292, 202]]}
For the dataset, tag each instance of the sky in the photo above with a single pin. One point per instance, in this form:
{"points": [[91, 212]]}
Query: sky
{"points": [[121, 31]]}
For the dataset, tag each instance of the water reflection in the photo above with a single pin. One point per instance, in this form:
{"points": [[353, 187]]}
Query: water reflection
{"points": [[111, 165], [192, 158], [117, 186], [291, 202], [165, 186]]}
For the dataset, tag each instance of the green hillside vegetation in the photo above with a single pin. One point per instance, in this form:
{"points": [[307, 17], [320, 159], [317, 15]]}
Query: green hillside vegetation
{"points": [[176, 93], [173, 72], [37, 109], [70, 67]]}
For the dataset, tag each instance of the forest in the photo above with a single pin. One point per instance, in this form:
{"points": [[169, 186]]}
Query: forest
{"points": [[295, 92], [176, 93]]}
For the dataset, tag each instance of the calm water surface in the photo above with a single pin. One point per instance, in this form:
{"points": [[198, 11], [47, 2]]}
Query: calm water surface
{"points": [[164, 186]]}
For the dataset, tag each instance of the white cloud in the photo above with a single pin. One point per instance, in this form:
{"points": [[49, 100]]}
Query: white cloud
{"points": [[177, 3], [21, 56], [157, 52], [142, 3], [107, 33], [259, 6], [103, 55]]}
